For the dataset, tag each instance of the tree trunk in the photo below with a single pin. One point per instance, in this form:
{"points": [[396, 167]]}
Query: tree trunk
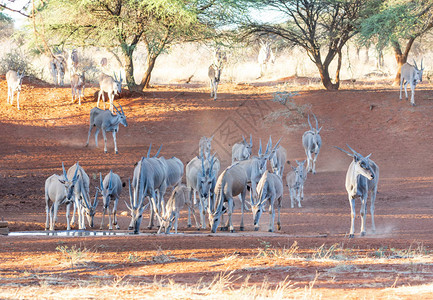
{"points": [[150, 64], [401, 57], [129, 72], [326, 78]]}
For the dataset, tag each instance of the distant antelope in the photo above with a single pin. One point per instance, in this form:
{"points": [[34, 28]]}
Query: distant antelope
{"points": [[105, 120], [77, 87], [410, 74], [312, 142], [242, 150], [214, 72], [58, 68], [295, 181], [205, 146], [278, 159], [265, 57], [15, 81], [73, 62], [362, 177], [111, 86]]}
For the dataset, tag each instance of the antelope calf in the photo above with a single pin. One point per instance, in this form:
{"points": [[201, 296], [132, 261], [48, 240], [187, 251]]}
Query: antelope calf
{"points": [[111, 188], [111, 86], [77, 87]]}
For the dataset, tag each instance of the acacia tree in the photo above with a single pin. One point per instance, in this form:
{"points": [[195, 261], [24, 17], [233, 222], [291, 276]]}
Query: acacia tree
{"points": [[321, 27], [398, 23]]}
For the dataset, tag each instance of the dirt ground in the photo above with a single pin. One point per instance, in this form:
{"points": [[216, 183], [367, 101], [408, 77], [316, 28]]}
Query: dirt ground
{"points": [[311, 256]]}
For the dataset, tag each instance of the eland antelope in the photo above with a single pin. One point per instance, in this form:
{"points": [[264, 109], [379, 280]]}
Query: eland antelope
{"points": [[413, 75], [265, 57], [362, 177], [77, 87], [73, 62], [295, 181], [205, 146], [312, 142], [105, 120], [111, 187], [15, 81], [59, 190], [231, 183], [111, 86], [82, 201], [270, 187], [214, 71], [58, 68], [277, 159], [242, 150]]}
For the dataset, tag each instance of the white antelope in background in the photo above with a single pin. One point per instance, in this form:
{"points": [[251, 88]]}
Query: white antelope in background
{"points": [[58, 190], [58, 68], [111, 188], [205, 146], [82, 201], [231, 183], [15, 81], [270, 188], [77, 87], [265, 57], [242, 150], [413, 75], [105, 120], [201, 176], [312, 142], [295, 181], [214, 72], [362, 177], [73, 62], [180, 197], [111, 86]]}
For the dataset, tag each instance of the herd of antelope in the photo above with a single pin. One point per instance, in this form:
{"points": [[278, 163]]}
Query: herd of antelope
{"points": [[153, 175]]}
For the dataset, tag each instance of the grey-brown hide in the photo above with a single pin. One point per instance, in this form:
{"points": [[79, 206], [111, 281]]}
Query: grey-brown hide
{"points": [[111, 86], [295, 180], [73, 62], [231, 183], [201, 177], [180, 197], [312, 141], [111, 187], [410, 74], [107, 121], [82, 201], [278, 160], [362, 177], [58, 68], [265, 57], [77, 86], [214, 71], [270, 188], [242, 150], [14, 81], [58, 190], [205, 146], [149, 181]]}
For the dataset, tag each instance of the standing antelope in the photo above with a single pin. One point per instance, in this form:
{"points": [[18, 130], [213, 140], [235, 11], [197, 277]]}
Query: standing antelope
{"points": [[295, 180], [232, 182], [180, 197], [105, 120], [270, 187], [205, 146], [73, 62], [111, 188], [82, 201], [59, 190], [362, 177], [312, 142], [265, 57], [413, 75], [201, 176], [111, 86], [242, 150], [214, 71], [77, 87], [14, 80], [278, 159], [58, 68]]}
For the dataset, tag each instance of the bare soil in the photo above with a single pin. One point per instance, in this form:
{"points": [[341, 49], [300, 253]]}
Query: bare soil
{"points": [[49, 130]]}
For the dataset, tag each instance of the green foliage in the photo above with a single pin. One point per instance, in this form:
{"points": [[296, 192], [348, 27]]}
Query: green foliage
{"points": [[16, 60], [395, 20]]}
